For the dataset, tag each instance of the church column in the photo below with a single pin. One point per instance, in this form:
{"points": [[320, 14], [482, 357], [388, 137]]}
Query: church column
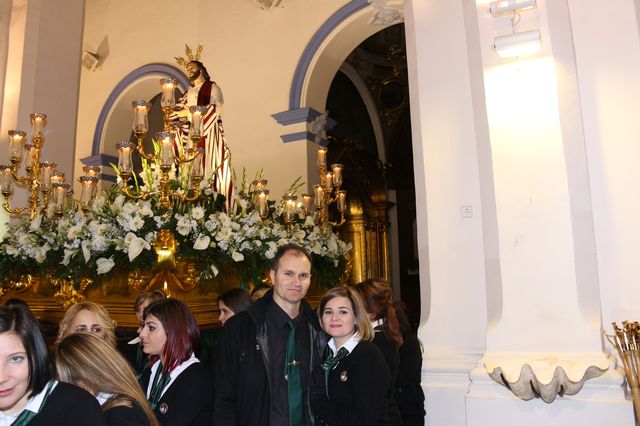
{"points": [[544, 332], [43, 73], [446, 115]]}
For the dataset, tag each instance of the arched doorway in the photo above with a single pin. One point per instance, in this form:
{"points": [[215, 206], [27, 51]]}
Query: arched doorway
{"points": [[368, 98], [323, 64]]}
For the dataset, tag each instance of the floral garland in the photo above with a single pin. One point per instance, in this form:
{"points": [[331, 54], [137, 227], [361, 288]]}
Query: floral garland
{"points": [[118, 233]]}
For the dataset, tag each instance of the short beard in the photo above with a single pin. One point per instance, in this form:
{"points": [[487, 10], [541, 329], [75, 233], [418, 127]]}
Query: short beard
{"points": [[195, 76]]}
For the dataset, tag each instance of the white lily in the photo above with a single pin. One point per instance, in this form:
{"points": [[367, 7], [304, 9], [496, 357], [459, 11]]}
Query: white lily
{"points": [[105, 265], [202, 242]]}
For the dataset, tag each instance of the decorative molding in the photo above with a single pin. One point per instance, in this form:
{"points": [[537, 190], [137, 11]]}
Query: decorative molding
{"points": [[546, 376], [317, 123], [384, 15]]}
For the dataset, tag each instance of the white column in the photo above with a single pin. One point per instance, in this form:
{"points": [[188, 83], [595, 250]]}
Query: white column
{"points": [[445, 88], [548, 319]]}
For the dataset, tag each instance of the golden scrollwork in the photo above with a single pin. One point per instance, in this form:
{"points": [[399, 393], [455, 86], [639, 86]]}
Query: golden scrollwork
{"points": [[67, 294], [24, 283], [189, 276], [139, 280]]}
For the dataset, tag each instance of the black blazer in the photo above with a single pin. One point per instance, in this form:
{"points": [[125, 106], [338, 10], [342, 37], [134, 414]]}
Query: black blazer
{"points": [[188, 400], [68, 405], [126, 416], [358, 389]]}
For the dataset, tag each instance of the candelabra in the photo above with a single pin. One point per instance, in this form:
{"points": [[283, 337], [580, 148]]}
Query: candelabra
{"points": [[327, 191], [170, 153], [41, 179]]}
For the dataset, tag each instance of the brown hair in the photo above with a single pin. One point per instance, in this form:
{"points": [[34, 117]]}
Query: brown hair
{"points": [[376, 294], [102, 315], [86, 360], [289, 248], [151, 296], [363, 326]]}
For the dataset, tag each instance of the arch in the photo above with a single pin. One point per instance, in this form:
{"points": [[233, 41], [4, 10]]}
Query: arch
{"points": [[142, 73], [325, 54]]}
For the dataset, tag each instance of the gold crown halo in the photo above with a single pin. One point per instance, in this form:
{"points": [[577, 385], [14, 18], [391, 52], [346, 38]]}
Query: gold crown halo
{"points": [[190, 56]]}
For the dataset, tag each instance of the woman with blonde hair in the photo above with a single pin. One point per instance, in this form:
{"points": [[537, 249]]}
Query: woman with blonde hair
{"points": [[352, 384], [85, 360], [88, 317]]}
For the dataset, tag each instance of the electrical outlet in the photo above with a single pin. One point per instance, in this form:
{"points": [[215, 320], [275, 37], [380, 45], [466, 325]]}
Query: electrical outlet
{"points": [[466, 211]]}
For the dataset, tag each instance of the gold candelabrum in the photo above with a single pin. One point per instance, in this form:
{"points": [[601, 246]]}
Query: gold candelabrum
{"points": [[328, 191], [41, 178], [317, 205], [626, 340], [170, 153]]}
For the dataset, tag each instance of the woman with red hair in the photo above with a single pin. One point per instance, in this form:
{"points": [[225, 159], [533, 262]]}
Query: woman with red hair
{"points": [[377, 298], [177, 385]]}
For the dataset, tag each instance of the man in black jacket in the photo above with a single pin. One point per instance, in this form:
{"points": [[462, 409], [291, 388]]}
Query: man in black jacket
{"points": [[250, 365]]}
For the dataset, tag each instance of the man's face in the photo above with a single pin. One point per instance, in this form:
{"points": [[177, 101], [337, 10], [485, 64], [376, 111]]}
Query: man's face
{"points": [[292, 279], [194, 71]]}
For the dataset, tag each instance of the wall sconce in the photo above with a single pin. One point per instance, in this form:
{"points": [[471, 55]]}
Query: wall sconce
{"points": [[91, 61], [517, 44], [502, 7]]}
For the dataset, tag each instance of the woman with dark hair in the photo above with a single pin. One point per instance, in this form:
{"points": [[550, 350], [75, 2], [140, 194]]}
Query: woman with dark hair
{"points": [[29, 393], [90, 363], [233, 302], [408, 391], [351, 386], [177, 385], [376, 295]]}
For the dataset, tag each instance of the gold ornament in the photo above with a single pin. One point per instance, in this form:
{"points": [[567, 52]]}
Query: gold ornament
{"points": [[190, 56]]}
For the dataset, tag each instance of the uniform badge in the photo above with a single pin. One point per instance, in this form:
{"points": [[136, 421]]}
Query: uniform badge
{"points": [[164, 408], [344, 376]]}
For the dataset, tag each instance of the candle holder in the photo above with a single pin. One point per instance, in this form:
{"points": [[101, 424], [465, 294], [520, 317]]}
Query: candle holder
{"points": [[328, 191], [168, 100], [41, 179], [166, 159]]}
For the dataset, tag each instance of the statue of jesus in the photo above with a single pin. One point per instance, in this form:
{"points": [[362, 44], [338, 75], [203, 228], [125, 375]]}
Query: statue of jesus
{"points": [[206, 93]]}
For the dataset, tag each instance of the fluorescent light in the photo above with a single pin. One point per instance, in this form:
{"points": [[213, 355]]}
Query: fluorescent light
{"points": [[501, 7], [517, 44]]}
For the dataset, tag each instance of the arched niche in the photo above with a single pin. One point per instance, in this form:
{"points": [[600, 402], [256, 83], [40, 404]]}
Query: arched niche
{"points": [[114, 121]]}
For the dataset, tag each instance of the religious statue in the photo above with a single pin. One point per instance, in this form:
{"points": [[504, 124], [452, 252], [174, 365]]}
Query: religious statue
{"points": [[205, 93]]}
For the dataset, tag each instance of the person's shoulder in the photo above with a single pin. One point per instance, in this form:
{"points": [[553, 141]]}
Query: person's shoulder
{"points": [[367, 350], [67, 398], [238, 322], [310, 314], [65, 391], [132, 415]]}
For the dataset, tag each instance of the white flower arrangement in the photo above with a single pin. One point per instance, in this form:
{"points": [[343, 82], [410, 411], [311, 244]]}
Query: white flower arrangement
{"points": [[119, 233]]}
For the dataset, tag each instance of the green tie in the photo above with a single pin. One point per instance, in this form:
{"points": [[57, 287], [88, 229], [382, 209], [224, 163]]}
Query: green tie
{"points": [[294, 382], [160, 381], [330, 363], [26, 416]]}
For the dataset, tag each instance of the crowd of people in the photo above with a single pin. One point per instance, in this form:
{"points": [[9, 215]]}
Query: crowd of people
{"points": [[353, 361]]}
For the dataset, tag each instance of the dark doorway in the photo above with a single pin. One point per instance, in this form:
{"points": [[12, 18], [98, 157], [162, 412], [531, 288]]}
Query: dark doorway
{"points": [[373, 139]]}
